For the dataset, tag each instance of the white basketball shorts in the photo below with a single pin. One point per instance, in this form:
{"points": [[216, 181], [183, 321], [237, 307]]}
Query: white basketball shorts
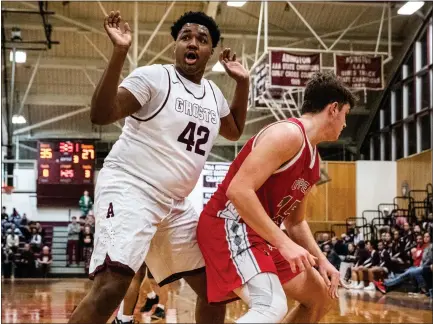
{"points": [[136, 222]]}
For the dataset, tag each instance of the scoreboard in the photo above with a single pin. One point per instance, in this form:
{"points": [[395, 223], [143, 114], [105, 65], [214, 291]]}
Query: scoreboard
{"points": [[66, 162]]}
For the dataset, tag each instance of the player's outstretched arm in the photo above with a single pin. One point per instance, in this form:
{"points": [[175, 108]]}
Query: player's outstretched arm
{"points": [[232, 125], [108, 103], [277, 145]]}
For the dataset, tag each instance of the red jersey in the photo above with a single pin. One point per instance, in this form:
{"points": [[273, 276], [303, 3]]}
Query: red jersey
{"points": [[282, 192]]}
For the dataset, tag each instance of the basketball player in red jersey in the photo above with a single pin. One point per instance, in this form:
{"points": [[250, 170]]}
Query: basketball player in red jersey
{"points": [[247, 255]]}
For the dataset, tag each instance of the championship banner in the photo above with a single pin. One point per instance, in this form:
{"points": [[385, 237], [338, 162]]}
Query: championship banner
{"points": [[213, 174], [360, 71], [292, 70]]}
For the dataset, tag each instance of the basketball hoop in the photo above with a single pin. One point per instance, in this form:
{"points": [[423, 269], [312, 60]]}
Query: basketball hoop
{"points": [[7, 189]]}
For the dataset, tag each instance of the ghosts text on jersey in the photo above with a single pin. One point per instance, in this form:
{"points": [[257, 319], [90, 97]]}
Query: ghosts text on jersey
{"points": [[190, 109]]}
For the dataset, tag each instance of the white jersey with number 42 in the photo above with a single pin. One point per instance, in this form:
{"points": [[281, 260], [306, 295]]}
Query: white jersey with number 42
{"points": [[166, 143]]}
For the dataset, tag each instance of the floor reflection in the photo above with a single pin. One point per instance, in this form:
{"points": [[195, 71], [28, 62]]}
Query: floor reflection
{"points": [[53, 300]]}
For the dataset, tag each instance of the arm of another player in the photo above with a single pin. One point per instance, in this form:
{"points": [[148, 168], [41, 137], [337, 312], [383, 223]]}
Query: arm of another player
{"points": [[299, 230], [277, 145], [232, 125], [109, 103]]}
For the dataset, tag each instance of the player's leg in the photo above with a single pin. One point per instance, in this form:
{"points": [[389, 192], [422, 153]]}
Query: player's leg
{"points": [[310, 290], [127, 306], [174, 254], [162, 294], [107, 291], [204, 311], [265, 298], [126, 222], [152, 293], [371, 273]]}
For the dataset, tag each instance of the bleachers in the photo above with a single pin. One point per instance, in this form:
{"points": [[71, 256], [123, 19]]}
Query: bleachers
{"points": [[415, 208]]}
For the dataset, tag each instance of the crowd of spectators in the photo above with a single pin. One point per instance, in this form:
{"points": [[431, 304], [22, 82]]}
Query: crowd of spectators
{"points": [[398, 256], [25, 253], [80, 234]]}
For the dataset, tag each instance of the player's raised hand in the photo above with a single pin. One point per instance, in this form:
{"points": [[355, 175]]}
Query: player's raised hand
{"points": [[298, 257], [233, 68], [119, 35]]}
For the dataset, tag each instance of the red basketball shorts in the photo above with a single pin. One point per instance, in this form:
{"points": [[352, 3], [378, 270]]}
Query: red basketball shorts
{"points": [[234, 254]]}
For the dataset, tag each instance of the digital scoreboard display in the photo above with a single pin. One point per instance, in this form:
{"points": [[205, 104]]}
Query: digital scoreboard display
{"points": [[66, 162]]}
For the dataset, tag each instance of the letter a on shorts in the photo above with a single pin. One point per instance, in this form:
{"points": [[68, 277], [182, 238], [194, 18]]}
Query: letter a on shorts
{"points": [[110, 212]]}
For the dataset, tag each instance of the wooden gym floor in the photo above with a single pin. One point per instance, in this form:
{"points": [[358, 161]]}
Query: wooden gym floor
{"points": [[52, 301]]}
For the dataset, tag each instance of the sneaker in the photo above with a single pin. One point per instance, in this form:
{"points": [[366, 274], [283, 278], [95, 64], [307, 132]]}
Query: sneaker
{"points": [[158, 314], [360, 285], [370, 287], [147, 307], [346, 284], [118, 321], [380, 286]]}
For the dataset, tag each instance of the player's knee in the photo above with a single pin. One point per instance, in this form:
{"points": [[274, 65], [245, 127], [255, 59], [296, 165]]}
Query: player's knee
{"points": [[107, 291], [266, 298], [323, 302], [279, 307]]}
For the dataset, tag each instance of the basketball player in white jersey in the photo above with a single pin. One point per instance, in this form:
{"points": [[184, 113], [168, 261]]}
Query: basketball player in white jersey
{"points": [[173, 115]]}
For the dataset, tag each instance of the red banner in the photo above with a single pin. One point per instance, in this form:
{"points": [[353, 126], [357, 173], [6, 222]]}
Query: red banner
{"points": [[359, 71], [292, 70]]}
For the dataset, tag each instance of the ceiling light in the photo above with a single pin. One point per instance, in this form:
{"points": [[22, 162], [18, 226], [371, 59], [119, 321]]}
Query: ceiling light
{"points": [[20, 56], [218, 67], [236, 3], [410, 7], [18, 119]]}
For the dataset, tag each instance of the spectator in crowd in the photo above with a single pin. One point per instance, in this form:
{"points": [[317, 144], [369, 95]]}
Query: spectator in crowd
{"points": [[81, 240], [348, 262], [7, 261], [15, 216], [4, 214], [87, 246], [35, 241], [44, 261], [16, 231], [40, 230], [350, 257], [358, 237], [90, 221], [332, 256], [380, 269], [363, 261], [6, 224], [25, 228], [427, 273], [388, 240], [73, 248], [26, 266], [400, 219], [338, 246], [85, 203], [415, 272], [12, 241], [396, 252], [324, 239], [24, 220]]}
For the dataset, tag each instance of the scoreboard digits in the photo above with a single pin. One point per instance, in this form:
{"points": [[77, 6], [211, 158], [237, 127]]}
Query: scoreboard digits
{"points": [[66, 162]]}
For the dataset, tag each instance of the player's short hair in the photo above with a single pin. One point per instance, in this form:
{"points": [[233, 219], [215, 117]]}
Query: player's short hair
{"points": [[324, 88], [197, 18]]}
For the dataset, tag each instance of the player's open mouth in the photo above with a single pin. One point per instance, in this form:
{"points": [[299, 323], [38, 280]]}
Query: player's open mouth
{"points": [[191, 58]]}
